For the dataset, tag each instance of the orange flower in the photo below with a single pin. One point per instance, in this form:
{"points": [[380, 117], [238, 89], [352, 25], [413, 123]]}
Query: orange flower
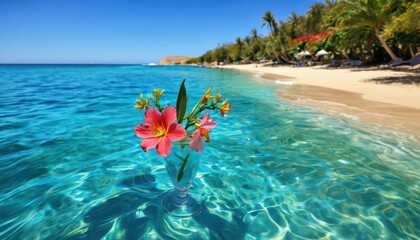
{"points": [[218, 98], [206, 98], [203, 130], [205, 133], [224, 108]]}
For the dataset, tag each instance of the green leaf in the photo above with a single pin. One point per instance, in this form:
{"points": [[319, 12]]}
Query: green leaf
{"points": [[181, 171], [181, 174], [181, 103]]}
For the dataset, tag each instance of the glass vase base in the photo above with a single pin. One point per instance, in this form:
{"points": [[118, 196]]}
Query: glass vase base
{"points": [[186, 207]]}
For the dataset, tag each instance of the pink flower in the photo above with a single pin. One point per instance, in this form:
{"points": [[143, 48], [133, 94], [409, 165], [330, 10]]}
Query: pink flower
{"points": [[160, 130], [203, 130]]}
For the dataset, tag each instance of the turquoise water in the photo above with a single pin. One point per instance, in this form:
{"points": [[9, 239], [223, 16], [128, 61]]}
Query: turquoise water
{"points": [[71, 166]]}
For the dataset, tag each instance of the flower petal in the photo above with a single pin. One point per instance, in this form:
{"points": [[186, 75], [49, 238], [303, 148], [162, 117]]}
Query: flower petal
{"points": [[196, 141], [143, 131], [207, 123], [168, 116], [152, 116], [205, 118], [149, 143], [164, 147], [176, 132]]}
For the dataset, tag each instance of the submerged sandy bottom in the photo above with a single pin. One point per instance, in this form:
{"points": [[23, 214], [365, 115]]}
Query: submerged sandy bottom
{"points": [[353, 107], [350, 94]]}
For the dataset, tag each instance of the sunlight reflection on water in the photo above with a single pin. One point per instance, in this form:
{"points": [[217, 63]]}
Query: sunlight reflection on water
{"points": [[71, 167]]}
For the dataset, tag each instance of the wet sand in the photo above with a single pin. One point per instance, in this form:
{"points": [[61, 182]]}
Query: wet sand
{"points": [[352, 107], [352, 96]]}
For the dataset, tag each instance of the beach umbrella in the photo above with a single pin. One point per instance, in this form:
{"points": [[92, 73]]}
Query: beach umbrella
{"points": [[321, 53], [304, 53]]}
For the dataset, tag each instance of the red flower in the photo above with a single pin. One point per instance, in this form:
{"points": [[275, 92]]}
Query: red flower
{"points": [[160, 130]]}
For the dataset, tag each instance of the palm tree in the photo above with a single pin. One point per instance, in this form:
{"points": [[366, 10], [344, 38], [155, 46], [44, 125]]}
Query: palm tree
{"points": [[296, 24], [254, 34], [315, 17], [370, 14], [239, 42], [333, 10], [254, 44], [404, 26], [270, 21], [331, 3], [247, 40], [284, 38]]}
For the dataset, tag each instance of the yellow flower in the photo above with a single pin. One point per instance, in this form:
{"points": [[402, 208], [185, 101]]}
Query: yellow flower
{"points": [[206, 98], [157, 93], [142, 103], [218, 98], [224, 108]]}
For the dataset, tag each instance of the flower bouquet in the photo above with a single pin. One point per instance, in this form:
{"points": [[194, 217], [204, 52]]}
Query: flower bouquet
{"points": [[181, 146]]}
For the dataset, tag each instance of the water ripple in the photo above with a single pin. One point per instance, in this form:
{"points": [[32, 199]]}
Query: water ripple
{"points": [[71, 167]]}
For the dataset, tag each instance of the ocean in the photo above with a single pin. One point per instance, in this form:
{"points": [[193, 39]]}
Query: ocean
{"points": [[71, 166]]}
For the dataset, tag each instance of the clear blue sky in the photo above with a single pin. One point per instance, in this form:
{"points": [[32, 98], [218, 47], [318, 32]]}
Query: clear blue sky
{"points": [[127, 31]]}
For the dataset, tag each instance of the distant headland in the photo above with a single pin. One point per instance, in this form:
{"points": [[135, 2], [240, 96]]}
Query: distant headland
{"points": [[174, 60]]}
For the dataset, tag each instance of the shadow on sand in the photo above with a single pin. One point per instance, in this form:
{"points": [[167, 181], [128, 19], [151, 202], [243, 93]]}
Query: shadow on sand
{"points": [[403, 79]]}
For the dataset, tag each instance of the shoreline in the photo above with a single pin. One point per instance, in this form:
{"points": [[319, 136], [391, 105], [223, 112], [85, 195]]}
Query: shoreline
{"points": [[349, 92], [362, 81]]}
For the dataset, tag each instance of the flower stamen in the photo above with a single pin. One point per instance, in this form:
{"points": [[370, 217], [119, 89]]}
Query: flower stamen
{"points": [[159, 131]]}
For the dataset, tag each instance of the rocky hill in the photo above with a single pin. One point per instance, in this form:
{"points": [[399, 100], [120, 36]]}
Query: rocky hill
{"points": [[172, 60]]}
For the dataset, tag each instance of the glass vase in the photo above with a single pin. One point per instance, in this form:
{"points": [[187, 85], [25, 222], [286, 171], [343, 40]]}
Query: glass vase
{"points": [[182, 166]]}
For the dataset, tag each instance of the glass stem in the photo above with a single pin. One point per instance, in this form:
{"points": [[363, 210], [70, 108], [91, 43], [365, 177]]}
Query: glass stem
{"points": [[181, 196]]}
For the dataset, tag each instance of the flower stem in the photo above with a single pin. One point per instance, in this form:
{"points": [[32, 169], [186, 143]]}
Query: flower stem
{"points": [[181, 171]]}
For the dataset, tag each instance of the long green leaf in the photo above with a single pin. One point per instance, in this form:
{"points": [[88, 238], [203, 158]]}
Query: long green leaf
{"points": [[181, 103], [181, 171]]}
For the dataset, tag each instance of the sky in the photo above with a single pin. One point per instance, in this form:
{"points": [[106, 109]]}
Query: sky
{"points": [[128, 31]]}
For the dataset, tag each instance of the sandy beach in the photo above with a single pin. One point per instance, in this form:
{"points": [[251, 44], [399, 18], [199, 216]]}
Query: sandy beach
{"points": [[384, 97], [363, 81]]}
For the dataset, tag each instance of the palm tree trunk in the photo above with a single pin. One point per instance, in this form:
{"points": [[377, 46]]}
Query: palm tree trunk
{"points": [[276, 55], [274, 52], [386, 47], [284, 57], [410, 47], [343, 52]]}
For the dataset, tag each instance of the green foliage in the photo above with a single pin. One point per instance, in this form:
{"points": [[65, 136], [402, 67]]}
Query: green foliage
{"points": [[315, 18], [296, 25], [408, 22], [269, 20], [363, 28], [181, 103], [194, 61]]}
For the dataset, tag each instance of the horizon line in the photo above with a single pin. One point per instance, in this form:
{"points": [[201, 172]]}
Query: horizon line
{"points": [[77, 63]]}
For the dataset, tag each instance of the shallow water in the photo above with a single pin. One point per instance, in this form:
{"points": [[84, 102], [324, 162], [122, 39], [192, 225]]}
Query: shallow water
{"points": [[71, 166]]}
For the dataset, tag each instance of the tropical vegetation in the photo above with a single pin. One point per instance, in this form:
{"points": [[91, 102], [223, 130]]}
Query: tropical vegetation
{"points": [[366, 30]]}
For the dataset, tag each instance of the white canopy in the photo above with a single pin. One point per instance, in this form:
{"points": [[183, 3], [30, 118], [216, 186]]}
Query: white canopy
{"points": [[304, 53], [322, 52]]}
